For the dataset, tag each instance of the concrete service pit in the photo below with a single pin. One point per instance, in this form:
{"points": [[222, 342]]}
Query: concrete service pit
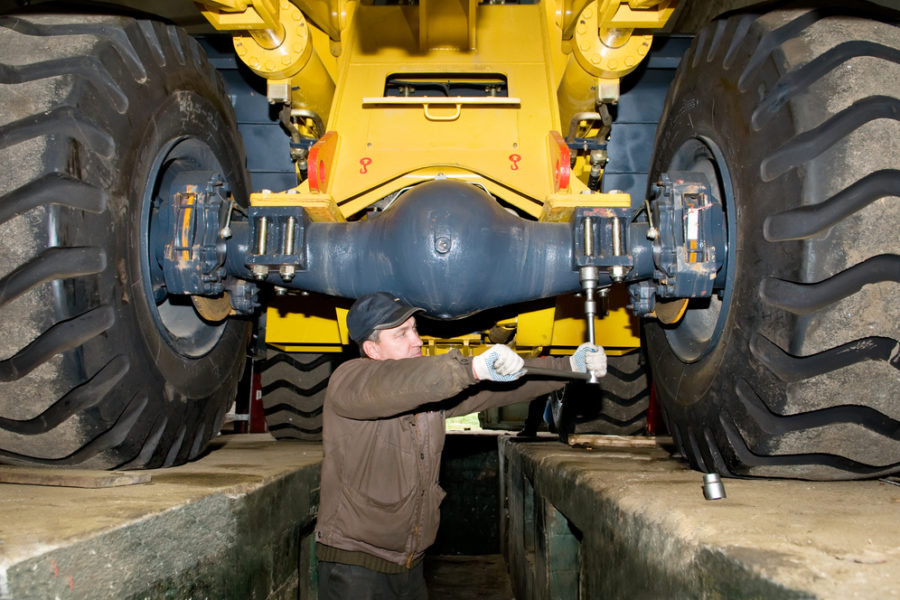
{"points": [[571, 523]]}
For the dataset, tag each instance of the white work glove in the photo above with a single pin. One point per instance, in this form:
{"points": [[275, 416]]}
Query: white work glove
{"points": [[589, 357], [498, 363]]}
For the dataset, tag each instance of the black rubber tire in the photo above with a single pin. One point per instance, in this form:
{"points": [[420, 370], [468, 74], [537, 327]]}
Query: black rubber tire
{"points": [[95, 110], [617, 406], [794, 112], [293, 389]]}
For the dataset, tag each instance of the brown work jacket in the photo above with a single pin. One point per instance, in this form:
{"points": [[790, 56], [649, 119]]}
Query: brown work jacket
{"points": [[383, 433]]}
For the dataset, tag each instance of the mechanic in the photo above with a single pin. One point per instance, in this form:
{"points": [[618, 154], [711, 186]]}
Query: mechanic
{"points": [[383, 433]]}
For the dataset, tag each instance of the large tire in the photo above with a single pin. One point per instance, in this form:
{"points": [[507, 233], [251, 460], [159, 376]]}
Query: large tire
{"points": [[98, 367], [617, 406], [293, 391], [793, 370]]}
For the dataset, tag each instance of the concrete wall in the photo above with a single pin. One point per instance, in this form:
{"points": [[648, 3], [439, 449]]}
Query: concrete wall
{"points": [[632, 523], [234, 525]]}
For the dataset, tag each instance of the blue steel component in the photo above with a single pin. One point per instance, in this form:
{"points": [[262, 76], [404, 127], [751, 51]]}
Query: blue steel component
{"points": [[244, 295], [268, 146], [278, 234], [643, 297], [641, 250], [445, 246], [193, 217], [636, 117], [690, 250], [607, 225], [450, 248]]}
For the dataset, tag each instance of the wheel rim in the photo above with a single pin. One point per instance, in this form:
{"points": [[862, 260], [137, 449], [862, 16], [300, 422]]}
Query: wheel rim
{"points": [[179, 324], [700, 329]]}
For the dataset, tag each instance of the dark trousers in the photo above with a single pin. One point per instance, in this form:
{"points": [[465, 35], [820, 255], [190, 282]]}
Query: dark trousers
{"points": [[349, 582]]}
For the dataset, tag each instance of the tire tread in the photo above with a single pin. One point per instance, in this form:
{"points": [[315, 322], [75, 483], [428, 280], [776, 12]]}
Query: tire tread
{"points": [[777, 399], [293, 388], [62, 336], [51, 264], [88, 394], [806, 298], [77, 141], [790, 369], [806, 221]]}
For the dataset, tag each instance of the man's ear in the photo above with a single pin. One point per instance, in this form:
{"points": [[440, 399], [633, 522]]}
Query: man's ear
{"points": [[371, 349]]}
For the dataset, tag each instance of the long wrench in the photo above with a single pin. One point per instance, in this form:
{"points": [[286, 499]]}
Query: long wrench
{"points": [[589, 278], [557, 373]]}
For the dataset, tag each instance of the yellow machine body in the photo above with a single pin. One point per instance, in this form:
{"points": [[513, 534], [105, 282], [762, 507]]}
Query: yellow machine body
{"points": [[331, 62]]}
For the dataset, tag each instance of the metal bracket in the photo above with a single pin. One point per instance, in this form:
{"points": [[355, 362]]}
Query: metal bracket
{"points": [[278, 241], [600, 239], [601, 120]]}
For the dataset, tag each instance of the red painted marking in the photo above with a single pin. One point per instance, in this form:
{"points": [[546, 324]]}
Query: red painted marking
{"points": [[365, 162], [55, 568], [514, 158], [71, 583]]}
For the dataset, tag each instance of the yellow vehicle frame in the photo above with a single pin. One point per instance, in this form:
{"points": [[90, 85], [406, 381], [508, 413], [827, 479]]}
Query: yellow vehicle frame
{"points": [[330, 60]]}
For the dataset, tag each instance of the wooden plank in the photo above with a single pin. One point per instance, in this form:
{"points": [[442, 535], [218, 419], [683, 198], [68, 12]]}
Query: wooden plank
{"points": [[80, 478], [616, 441]]}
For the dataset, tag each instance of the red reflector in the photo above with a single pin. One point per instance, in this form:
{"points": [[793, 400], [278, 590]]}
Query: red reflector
{"points": [[560, 158], [321, 157]]}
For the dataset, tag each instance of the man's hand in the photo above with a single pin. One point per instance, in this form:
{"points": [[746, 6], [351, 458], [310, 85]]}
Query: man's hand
{"points": [[498, 363], [589, 357]]}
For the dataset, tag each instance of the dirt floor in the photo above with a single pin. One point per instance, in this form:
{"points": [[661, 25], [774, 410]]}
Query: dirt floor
{"points": [[467, 578]]}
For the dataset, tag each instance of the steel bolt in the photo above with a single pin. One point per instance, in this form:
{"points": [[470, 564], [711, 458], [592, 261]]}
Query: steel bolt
{"points": [[287, 272], [260, 271]]}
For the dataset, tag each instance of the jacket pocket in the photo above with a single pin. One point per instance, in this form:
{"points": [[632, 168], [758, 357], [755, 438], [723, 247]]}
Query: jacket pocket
{"points": [[376, 522]]}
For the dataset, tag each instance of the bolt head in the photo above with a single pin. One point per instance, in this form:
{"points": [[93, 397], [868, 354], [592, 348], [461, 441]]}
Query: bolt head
{"points": [[260, 271], [287, 272]]}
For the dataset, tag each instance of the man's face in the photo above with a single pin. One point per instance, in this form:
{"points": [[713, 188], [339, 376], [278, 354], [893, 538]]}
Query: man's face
{"points": [[402, 341]]}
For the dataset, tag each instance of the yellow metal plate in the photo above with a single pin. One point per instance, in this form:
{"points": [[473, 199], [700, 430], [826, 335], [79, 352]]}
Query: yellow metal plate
{"points": [[503, 143]]}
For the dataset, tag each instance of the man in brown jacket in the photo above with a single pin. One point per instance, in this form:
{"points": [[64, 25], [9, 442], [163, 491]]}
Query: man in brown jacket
{"points": [[383, 433]]}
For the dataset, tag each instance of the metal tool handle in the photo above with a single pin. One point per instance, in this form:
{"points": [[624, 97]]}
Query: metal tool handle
{"points": [[589, 276], [557, 373]]}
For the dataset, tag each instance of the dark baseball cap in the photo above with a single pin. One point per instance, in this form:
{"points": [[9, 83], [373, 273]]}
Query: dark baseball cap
{"points": [[377, 311]]}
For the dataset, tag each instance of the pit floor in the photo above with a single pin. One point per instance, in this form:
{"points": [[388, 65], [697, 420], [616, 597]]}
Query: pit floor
{"points": [[467, 578]]}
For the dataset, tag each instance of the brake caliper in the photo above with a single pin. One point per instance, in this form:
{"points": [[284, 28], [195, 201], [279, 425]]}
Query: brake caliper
{"points": [[689, 242]]}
